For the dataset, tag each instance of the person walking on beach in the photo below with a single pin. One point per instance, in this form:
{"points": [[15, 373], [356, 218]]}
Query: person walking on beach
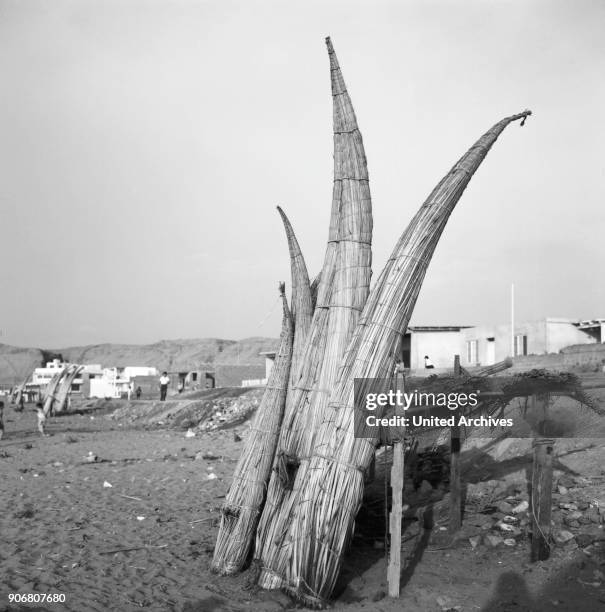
{"points": [[428, 364], [164, 382]]}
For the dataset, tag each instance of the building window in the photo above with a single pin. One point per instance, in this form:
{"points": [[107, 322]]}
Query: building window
{"points": [[472, 347], [520, 345], [194, 376]]}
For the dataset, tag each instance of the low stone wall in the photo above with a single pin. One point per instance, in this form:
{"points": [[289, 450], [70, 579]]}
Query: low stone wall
{"points": [[585, 355]]}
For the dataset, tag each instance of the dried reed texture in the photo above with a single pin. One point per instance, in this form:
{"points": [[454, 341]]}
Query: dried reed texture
{"points": [[328, 488], [314, 287], [246, 496], [302, 305], [18, 393], [65, 387], [50, 391], [351, 284], [342, 291]]}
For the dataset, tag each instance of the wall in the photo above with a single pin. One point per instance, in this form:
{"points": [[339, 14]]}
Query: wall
{"points": [[233, 375], [545, 336], [587, 355], [440, 346], [560, 334]]}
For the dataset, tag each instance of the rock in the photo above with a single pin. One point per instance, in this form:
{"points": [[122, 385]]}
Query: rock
{"points": [[504, 526], [509, 542], [562, 537], [593, 515], [562, 490], [584, 540], [583, 505], [504, 507], [566, 481], [571, 523], [190, 434], [475, 541], [567, 506], [510, 529], [510, 519], [493, 541], [522, 507]]}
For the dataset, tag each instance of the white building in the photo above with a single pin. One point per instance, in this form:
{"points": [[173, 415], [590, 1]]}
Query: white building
{"points": [[94, 381]]}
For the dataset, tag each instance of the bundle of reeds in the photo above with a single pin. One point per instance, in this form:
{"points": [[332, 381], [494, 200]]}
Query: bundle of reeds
{"points": [[18, 393], [301, 301], [246, 496], [50, 391], [65, 387], [342, 291], [328, 489]]}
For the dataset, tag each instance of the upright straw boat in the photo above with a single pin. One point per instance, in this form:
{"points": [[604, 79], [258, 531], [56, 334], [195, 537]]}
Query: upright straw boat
{"points": [[247, 493], [51, 389], [65, 387]]}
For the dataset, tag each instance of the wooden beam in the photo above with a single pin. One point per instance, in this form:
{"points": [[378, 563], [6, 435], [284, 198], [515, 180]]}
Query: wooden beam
{"points": [[455, 521], [541, 491], [397, 480]]}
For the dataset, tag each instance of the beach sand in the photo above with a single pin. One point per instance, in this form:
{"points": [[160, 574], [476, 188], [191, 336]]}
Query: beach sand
{"points": [[146, 541]]}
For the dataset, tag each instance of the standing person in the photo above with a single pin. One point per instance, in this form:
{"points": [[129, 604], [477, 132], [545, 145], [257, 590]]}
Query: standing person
{"points": [[428, 364], [41, 417], [138, 392], [129, 390], [1, 418], [164, 382]]}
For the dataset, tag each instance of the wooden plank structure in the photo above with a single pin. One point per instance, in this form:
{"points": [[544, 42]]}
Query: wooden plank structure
{"points": [[541, 489], [397, 482], [455, 521]]}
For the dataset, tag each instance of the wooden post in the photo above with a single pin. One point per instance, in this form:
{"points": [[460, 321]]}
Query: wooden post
{"points": [[397, 481], [455, 485], [541, 491]]}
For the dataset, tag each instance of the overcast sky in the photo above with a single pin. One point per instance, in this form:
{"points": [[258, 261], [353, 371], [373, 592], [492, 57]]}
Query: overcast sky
{"points": [[144, 146]]}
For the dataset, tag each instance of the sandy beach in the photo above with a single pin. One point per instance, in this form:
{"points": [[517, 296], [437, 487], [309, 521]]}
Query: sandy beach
{"points": [[146, 541]]}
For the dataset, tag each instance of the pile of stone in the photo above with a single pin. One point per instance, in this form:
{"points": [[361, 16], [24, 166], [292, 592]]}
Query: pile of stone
{"points": [[498, 514], [229, 412]]}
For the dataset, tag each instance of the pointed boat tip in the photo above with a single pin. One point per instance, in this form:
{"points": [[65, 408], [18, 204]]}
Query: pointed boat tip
{"points": [[329, 44], [281, 212], [523, 116]]}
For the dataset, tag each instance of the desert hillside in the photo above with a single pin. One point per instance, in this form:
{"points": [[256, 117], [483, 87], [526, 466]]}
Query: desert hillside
{"points": [[171, 355]]}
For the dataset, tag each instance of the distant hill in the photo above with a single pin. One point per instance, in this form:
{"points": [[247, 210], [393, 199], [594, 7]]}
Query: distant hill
{"points": [[170, 355]]}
